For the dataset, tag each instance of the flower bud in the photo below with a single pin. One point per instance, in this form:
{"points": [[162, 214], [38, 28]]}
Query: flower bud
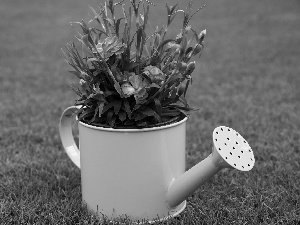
{"points": [[178, 38], [190, 68], [82, 82], [173, 65], [182, 67], [127, 89], [202, 35], [83, 75], [197, 49]]}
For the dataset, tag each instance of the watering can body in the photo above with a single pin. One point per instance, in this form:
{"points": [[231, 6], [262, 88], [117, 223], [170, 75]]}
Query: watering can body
{"points": [[127, 172], [140, 173]]}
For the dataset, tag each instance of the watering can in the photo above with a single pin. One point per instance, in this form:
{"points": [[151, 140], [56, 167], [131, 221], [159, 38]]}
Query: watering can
{"points": [[140, 173]]}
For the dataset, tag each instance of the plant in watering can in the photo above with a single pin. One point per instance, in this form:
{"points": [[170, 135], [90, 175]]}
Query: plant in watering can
{"points": [[132, 115], [130, 78]]}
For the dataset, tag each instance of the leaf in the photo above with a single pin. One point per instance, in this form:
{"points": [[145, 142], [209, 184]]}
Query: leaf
{"points": [[161, 46], [108, 93], [91, 60], [85, 40], [118, 89], [138, 82], [183, 101], [184, 40], [100, 108], [108, 106], [111, 119], [157, 41], [117, 106], [138, 43], [171, 14], [98, 18], [117, 26], [86, 113], [116, 72], [149, 112], [170, 112], [186, 87], [142, 124], [141, 96], [140, 117], [158, 106], [75, 89], [195, 35], [76, 73], [132, 65], [122, 116], [127, 108]]}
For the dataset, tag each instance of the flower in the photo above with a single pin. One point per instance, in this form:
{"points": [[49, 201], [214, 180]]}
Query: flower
{"points": [[155, 74], [110, 46], [127, 89]]}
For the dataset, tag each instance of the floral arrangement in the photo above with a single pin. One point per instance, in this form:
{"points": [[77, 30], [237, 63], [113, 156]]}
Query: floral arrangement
{"points": [[132, 79]]}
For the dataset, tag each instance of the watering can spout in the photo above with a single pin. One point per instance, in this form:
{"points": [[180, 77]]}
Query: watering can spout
{"points": [[230, 150]]}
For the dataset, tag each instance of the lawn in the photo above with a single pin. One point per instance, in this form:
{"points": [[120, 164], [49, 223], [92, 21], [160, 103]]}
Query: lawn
{"points": [[248, 78]]}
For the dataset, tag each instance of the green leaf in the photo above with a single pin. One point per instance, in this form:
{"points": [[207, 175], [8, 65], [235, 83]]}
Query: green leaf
{"points": [[95, 114]]}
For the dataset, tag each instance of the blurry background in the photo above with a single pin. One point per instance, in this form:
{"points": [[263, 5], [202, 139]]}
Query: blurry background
{"points": [[247, 78]]}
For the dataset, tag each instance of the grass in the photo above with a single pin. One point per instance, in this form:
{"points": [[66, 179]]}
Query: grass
{"points": [[248, 79]]}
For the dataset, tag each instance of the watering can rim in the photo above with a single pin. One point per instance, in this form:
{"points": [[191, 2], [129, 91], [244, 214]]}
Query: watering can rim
{"points": [[135, 130]]}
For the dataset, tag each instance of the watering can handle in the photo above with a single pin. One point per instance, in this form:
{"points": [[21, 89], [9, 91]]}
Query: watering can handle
{"points": [[66, 136]]}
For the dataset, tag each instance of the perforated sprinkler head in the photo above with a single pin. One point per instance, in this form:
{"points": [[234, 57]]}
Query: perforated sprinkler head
{"points": [[231, 150]]}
